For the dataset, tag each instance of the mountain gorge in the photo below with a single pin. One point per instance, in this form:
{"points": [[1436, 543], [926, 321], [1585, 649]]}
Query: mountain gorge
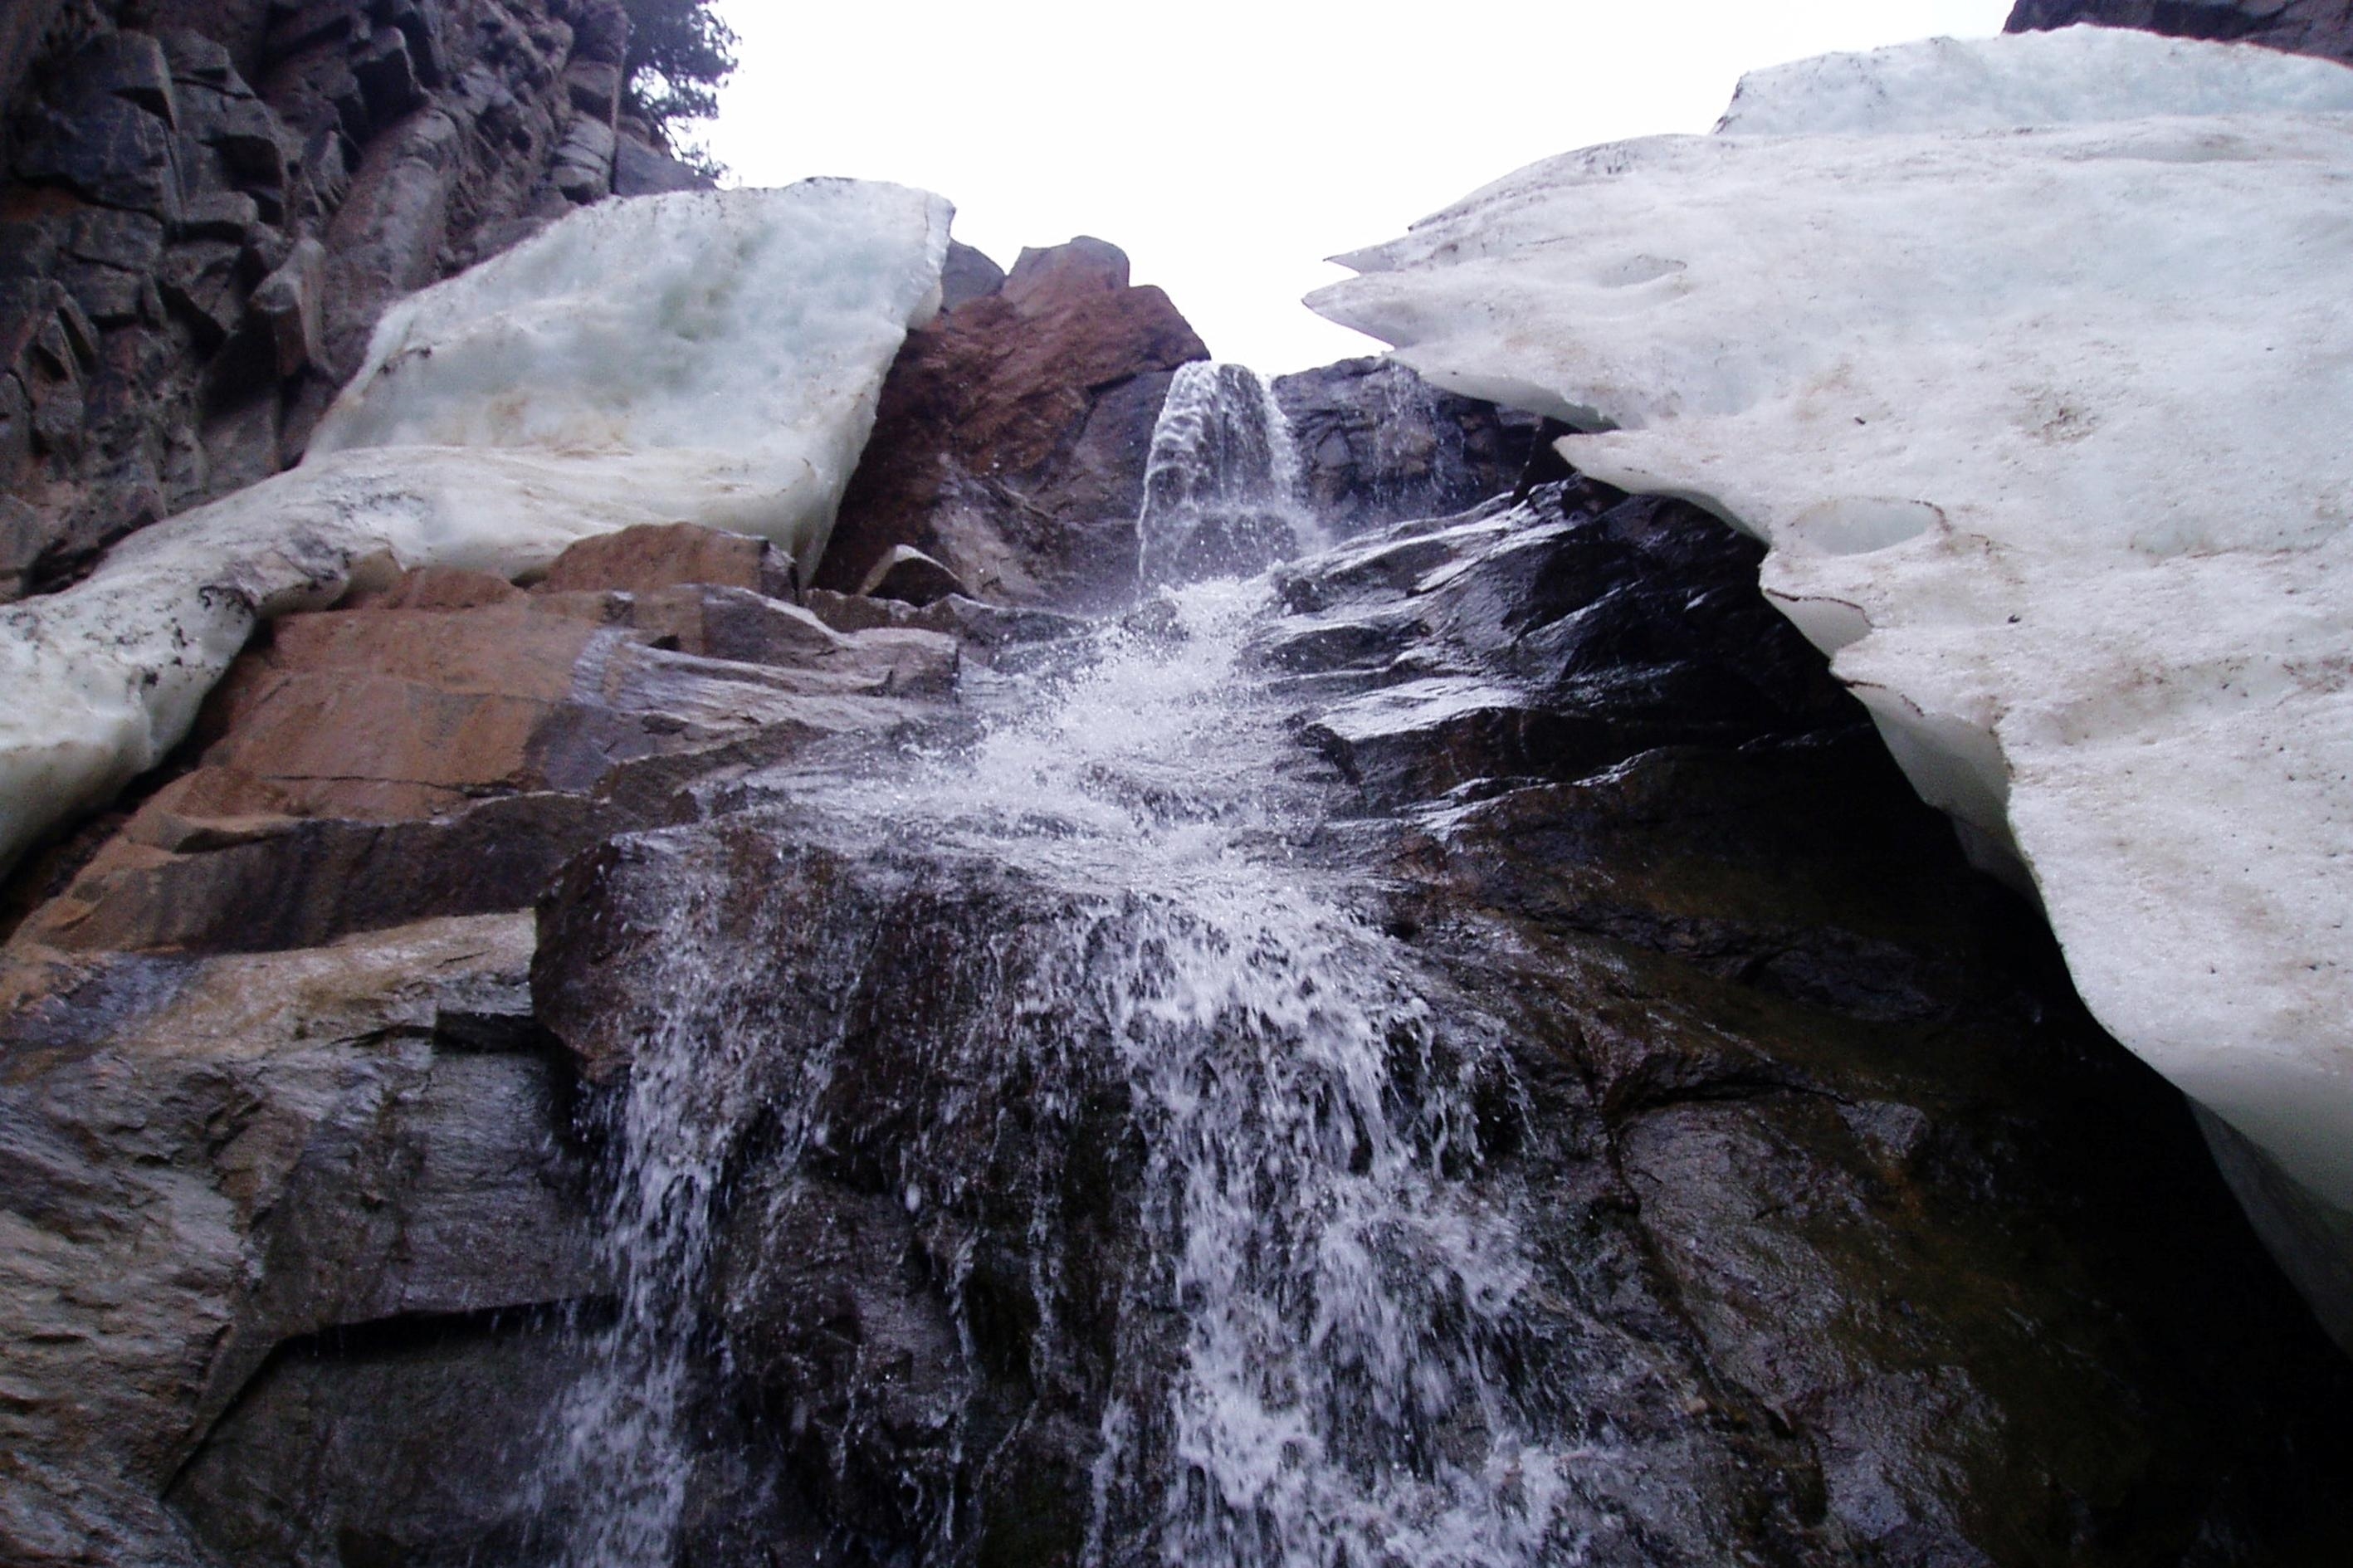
{"points": [[699, 880]]}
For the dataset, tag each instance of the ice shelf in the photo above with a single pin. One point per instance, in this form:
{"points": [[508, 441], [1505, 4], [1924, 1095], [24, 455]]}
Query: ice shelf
{"points": [[709, 356], [2031, 359]]}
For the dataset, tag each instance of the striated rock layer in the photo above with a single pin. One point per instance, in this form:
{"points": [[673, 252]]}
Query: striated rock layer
{"points": [[300, 968], [2065, 499]]}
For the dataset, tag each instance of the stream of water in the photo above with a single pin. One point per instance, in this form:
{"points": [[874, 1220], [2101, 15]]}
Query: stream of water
{"points": [[1307, 1119]]}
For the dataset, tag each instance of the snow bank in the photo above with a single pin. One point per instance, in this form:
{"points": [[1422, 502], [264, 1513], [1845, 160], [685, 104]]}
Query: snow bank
{"points": [[2046, 429], [2076, 76], [709, 357]]}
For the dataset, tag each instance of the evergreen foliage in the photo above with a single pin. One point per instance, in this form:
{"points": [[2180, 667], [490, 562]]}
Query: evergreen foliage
{"points": [[679, 54]]}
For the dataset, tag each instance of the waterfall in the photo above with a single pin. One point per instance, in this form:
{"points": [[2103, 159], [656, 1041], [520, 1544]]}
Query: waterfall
{"points": [[1315, 1341], [623, 1460], [1221, 491], [1345, 1301]]}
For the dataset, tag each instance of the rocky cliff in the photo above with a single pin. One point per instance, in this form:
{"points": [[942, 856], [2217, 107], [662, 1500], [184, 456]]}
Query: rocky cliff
{"points": [[1462, 1048], [206, 207], [804, 1181]]}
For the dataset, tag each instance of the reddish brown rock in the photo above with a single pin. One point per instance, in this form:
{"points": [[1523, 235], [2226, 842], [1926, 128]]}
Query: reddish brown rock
{"points": [[664, 555], [1012, 435], [442, 743], [437, 587]]}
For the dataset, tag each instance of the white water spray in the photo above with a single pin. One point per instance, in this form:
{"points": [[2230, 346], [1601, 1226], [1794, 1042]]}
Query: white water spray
{"points": [[1343, 1295]]}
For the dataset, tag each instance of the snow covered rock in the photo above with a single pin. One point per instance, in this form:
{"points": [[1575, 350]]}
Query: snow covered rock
{"points": [[2046, 430], [707, 356]]}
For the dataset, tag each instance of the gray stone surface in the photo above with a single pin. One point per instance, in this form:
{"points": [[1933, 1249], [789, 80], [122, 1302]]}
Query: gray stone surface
{"points": [[640, 168], [289, 305], [1377, 444], [969, 275], [205, 1159]]}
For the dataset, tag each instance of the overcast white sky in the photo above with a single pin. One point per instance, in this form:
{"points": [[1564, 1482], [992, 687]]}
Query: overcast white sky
{"points": [[1228, 146]]}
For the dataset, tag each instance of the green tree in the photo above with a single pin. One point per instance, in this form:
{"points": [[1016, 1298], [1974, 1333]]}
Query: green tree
{"points": [[679, 54]]}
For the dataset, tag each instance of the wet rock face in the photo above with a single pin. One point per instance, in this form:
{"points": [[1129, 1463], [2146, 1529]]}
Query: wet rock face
{"points": [[1879, 1059], [205, 207], [1377, 444], [1731, 1152], [1012, 435], [215, 1165], [1516, 1039], [1593, 628], [402, 1403], [1858, 1238], [928, 1213], [2323, 28], [299, 1232]]}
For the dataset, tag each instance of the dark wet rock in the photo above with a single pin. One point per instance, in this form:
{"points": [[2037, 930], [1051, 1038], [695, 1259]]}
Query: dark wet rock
{"points": [[882, 1292], [2323, 28], [1854, 1239], [1377, 444], [348, 1310], [206, 1159], [1860, 1240], [276, 881], [374, 1444], [1549, 641], [1013, 432]]}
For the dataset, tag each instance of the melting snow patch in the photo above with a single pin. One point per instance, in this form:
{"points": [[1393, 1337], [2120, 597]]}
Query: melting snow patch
{"points": [[2032, 360], [713, 357]]}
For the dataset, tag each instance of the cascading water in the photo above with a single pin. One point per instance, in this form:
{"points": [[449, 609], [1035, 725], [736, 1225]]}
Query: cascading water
{"points": [[1342, 1302], [1221, 493], [623, 1461], [1335, 1300]]}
